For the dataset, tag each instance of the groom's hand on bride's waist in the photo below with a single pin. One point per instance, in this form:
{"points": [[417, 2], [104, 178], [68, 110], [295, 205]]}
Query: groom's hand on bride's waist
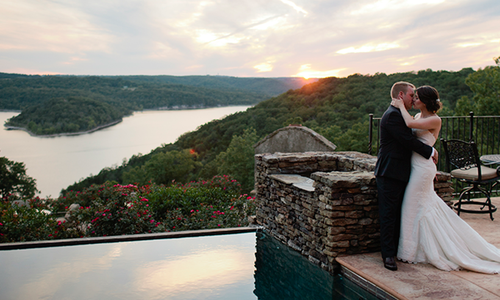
{"points": [[435, 155]]}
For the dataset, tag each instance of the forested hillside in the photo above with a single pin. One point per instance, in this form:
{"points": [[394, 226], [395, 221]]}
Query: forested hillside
{"points": [[268, 87], [20, 93], [14, 75], [68, 115], [123, 94], [337, 108]]}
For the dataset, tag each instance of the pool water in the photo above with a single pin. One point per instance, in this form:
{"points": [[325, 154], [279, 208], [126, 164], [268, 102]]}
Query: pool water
{"points": [[236, 266]]}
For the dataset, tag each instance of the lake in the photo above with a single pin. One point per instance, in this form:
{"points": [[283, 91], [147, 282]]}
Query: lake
{"points": [[57, 162]]}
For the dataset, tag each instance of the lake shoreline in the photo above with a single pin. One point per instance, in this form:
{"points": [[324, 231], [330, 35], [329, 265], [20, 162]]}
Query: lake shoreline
{"points": [[192, 107], [64, 133], [59, 162], [174, 108]]}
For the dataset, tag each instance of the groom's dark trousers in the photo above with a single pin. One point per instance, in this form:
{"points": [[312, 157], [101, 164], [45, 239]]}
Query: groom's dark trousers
{"points": [[390, 199], [393, 172]]}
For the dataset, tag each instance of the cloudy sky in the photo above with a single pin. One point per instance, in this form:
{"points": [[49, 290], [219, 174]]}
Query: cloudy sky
{"points": [[250, 38]]}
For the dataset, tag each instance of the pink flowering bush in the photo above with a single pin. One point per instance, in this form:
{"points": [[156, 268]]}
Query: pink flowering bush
{"points": [[225, 182], [191, 195], [30, 222], [233, 213], [202, 204], [114, 209]]}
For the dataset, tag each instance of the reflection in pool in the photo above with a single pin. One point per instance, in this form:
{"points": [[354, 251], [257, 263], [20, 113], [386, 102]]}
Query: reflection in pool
{"points": [[236, 266]]}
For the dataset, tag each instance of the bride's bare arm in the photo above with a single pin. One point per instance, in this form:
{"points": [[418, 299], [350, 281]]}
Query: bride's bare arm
{"points": [[433, 122]]}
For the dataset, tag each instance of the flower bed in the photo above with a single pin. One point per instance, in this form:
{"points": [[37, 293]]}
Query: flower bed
{"points": [[114, 209]]}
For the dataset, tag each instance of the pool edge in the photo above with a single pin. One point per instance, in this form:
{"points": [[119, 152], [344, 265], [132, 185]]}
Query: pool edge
{"points": [[127, 238], [367, 282]]}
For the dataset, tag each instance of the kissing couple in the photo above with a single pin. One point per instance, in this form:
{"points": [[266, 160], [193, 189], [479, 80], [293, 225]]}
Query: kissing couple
{"points": [[416, 226]]}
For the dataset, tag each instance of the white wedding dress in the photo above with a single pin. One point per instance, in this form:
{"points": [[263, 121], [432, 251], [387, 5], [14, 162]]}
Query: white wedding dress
{"points": [[433, 233]]}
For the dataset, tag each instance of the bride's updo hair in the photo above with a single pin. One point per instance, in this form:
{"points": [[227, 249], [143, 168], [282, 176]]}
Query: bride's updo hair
{"points": [[430, 97]]}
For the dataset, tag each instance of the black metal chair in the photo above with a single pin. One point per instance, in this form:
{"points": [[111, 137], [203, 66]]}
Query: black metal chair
{"points": [[462, 162]]}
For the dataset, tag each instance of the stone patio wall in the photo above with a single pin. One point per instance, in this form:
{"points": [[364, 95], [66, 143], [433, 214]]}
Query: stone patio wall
{"points": [[322, 204]]}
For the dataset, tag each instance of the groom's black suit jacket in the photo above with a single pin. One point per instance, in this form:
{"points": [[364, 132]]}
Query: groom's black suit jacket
{"points": [[396, 145]]}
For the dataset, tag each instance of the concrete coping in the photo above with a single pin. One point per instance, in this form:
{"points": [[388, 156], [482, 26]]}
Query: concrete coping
{"points": [[298, 181], [128, 238]]}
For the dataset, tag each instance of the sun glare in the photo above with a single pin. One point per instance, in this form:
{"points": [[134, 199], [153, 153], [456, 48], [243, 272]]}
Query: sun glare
{"points": [[306, 72]]}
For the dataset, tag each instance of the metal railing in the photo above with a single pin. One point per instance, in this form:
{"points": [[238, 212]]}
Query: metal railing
{"points": [[483, 130]]}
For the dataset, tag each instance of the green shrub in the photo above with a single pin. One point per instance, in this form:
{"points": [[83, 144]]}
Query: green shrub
{"points": [[225, 214], [31, 223], [201, 204], [114, 209]]}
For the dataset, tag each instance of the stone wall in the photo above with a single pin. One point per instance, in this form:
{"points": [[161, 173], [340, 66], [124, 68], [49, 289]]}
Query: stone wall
{"points": [[322, 204]]}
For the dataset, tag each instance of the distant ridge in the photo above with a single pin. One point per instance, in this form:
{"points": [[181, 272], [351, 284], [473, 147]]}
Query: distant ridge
{"points": [[33, 94], [270, 86], [15, 75]]}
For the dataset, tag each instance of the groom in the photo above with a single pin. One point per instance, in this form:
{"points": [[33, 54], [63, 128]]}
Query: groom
{"points": [[392, 170]]}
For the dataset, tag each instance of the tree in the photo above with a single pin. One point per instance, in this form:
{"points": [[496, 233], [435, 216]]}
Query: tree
{"points": [[136, 175], [14, 183], [238, 159], [354, 139], [485, 84], [164, 167], [329, 132]]}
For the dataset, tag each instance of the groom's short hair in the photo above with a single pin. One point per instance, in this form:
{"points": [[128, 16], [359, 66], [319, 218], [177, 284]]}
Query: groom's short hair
{"points": [[400, 86]]}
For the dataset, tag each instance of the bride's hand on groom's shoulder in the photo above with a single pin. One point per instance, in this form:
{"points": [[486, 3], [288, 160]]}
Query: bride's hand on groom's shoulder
{"points": [[397, 102]]}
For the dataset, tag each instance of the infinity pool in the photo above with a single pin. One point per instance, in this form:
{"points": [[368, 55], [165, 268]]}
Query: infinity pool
{"points": [[236, 266]]}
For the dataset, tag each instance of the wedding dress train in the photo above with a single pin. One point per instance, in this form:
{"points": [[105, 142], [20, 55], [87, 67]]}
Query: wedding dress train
{"points": [[433, 233]]}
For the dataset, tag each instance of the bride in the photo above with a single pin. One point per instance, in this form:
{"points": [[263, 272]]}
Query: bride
{"points": [[430, 231]]}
